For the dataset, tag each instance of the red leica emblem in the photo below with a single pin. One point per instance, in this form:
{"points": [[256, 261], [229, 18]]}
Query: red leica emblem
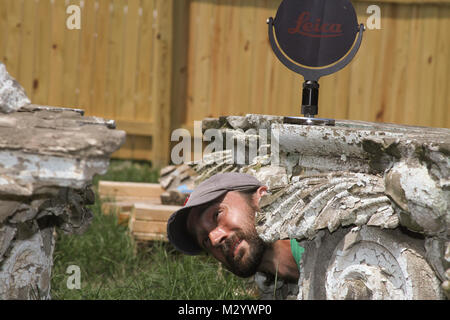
{"points": [[317, 29]]}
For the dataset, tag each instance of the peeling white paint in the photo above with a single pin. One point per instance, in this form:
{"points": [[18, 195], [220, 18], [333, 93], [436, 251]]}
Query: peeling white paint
{"points": [[36, 171]]}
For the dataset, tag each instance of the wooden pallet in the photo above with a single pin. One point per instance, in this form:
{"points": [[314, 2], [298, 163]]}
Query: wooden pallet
{"points": [[139, 206], [130, 191]]}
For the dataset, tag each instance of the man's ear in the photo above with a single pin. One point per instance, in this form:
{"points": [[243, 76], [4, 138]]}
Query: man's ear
{"points": [[258, 194]]}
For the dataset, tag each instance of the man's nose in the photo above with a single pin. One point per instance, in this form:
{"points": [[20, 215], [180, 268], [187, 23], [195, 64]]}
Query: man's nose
{"points": [[217, 236]]}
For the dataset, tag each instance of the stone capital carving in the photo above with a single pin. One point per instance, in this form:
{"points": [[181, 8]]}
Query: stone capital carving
{"points": [[390, 182]]}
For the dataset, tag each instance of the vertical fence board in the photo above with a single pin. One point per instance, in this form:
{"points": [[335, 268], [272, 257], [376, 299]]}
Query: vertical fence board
{"points": [[180, 63], [239, 57], [342, 95], [412, 74], [115, 58], [397, 93], [425, 104], [26, 53], [228, 76], [162, 67], [269, 66], [260, 55], [130, 48], [384, 71], [190, 74], [441, 106], [12, 51], [86, 54], [217, 38], [245, 50], [41, 77], [202, 60], [134, 17], [144, 63], [56, 88], [71, 63], [100, 67], [115, 75], [218, 59], [3, 29]]}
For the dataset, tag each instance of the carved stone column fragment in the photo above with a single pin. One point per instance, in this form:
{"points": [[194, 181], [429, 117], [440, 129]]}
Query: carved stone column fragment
{"points": [[48, 157], [369, 201]]}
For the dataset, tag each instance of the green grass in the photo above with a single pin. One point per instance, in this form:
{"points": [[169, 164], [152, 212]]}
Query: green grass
{"points": [[126, 170], [114, 267]]}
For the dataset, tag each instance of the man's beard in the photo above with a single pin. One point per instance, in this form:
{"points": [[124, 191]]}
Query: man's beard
{"points": [[244, 266]]}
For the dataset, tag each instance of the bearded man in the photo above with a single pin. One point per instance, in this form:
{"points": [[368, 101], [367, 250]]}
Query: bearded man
{"points": [[219, 218]]}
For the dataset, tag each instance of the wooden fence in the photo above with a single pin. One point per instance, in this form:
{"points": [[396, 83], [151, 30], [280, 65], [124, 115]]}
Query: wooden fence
{"points": [[156, 65], [117, 65]]}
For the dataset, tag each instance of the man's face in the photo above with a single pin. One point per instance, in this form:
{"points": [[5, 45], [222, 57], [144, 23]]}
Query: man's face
{"points": [[226, 229]]}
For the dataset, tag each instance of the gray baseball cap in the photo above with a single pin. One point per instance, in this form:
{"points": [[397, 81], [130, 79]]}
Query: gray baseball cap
{"points": [[207, 191]]}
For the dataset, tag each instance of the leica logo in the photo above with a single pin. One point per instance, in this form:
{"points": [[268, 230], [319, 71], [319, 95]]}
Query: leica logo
{"points": [[317, 29]]}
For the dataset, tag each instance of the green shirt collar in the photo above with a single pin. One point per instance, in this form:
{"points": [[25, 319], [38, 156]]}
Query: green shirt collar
{"points": [[297, 251]]}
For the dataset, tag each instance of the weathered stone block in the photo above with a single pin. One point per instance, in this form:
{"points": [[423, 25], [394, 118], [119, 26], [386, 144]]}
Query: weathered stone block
{"points": [[48, 157]]}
